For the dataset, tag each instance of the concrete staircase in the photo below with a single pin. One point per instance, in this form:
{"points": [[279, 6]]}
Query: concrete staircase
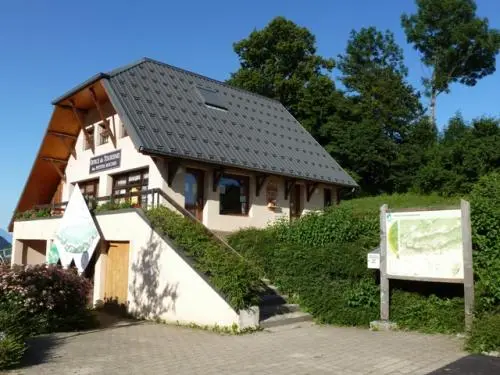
{"points": [[275, 311]]}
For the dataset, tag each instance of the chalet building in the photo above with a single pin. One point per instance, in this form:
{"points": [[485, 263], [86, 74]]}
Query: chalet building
{"points": [[150, 133]]}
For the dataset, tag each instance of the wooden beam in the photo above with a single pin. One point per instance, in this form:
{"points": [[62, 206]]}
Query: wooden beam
{"points": [[310, 190], [217, 174], [102, 116], [81, 123], [289, 183], [62, 135], [172, 168], [55, 160], [55, 163], [259, 182]]}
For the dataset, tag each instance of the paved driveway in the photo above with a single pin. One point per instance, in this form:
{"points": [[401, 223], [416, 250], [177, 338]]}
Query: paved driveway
{"points": [[147, 348]]}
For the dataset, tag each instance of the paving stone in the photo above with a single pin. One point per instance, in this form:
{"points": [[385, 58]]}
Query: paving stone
{"points": [[305, 348]]}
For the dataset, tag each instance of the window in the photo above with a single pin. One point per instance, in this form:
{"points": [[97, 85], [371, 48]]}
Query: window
{"points": [[327, 197], [89, 189], [233, 195], [89, 142], [271, 194], [127, 186], [123, 131], [211, 98]]}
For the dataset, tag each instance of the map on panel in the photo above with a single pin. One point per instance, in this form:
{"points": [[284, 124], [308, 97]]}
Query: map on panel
{"points": [[425, 244]]}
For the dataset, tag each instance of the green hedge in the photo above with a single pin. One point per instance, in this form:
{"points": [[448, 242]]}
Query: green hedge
{"points": [[485, 335], [236, 278], [320, 260]]}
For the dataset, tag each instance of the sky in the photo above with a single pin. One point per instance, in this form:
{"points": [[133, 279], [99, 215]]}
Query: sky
{"points": [[48, 47]]}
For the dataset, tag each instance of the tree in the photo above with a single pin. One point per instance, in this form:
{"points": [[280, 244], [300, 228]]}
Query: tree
{"points": [[373, 123], [280, 62], [463, 155], [454, 43]]}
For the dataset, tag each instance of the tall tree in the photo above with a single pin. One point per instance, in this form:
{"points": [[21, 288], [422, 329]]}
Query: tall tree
{"points": [[464, 154], [377, 115], [454, 42], [280, 62]]}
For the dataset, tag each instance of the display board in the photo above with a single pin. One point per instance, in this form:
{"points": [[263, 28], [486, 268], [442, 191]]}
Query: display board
{"points": [[425, 244]]}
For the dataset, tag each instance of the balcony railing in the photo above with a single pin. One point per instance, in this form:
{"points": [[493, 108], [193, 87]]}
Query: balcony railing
{"points": [[145, 199]]}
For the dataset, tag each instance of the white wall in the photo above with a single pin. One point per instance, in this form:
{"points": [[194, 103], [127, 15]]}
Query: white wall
{"points": [[160, 282], [77, 169], [259, 215]]}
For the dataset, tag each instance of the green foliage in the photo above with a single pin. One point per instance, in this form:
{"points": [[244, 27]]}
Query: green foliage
{"points": [[320, 262], [453, 41], [464, 154], [33, 214], [111, 206], [485, 217], [45, 298], [12, 349], [485, 334], [427, 314], [279, 61], [236, 278]]}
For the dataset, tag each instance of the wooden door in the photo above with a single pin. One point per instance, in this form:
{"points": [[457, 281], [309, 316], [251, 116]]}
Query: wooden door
{"points": [[193, 192], [117, 272], [296, 202]]}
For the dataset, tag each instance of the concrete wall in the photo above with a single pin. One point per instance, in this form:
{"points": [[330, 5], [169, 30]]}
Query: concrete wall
{"points": [[160, 282], [32, 251]]}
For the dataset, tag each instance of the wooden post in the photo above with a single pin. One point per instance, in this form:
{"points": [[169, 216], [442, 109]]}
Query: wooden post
{"points": [[384, 281], [468, 269]]}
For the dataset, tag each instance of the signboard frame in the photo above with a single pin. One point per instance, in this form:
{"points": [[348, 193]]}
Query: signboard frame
{"points": [[105, 165], [467, 281]]}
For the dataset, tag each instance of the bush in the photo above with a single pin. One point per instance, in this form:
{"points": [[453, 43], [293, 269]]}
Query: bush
{"points": [[427, 314], [111, 206], [320, 260], [236, 278], [485, 334], [12, 349], [485, 217], [48, 297]]}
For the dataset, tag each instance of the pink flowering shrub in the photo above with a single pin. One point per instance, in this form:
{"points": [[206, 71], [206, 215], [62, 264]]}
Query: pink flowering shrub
{"points": [[51, 298]]}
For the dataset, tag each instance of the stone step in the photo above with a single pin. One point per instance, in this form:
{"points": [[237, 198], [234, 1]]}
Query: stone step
{"points": [[284, 319], [272, 299], [267, 311]]}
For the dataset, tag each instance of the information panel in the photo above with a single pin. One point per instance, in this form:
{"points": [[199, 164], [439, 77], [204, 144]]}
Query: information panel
{"points": [[425, 244]]}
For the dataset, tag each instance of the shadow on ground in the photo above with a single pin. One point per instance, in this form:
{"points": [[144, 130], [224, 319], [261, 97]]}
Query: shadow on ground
{"points": [[471, 365], [42, 349]]}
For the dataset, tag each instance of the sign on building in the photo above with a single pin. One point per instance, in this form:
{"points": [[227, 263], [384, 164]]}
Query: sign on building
{"points": [[105, 162], [426, 246], [77, 236]]}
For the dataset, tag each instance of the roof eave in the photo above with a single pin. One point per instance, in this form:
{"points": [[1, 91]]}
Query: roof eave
{"points": [[153, 152], [78, 88]]}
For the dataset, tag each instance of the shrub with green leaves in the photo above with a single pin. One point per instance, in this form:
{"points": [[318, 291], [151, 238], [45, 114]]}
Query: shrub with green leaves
{"points": [[485, 217], [48, 297], [320, 261], [236, 278], [485, 335], [12, 349]]}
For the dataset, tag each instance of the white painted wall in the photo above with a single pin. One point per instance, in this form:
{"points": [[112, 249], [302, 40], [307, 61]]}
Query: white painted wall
{"points": [[259, 215], [161, 283]]}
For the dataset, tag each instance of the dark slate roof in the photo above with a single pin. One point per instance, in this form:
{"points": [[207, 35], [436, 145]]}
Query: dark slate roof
{"points": [[165, 114]]}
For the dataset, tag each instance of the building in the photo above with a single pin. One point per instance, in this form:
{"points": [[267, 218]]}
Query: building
{"points": [[150, 133]]}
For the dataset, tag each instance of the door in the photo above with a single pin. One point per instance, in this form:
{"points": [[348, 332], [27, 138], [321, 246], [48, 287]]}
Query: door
{"points": [[295, 202], [116, 282], [193, 192]]}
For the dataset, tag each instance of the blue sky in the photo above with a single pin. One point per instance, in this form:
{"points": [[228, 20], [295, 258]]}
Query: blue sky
{"points": [[47, 47]]}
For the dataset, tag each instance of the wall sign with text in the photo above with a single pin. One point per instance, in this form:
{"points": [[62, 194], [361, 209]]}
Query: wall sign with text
{"points": [[104, 162]]}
